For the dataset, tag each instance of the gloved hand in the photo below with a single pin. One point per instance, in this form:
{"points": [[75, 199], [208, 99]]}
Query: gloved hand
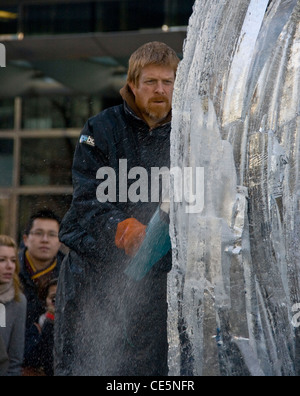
{"points": [[130, 236]]}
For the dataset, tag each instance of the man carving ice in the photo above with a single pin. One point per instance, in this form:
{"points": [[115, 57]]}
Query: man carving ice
{"points": [[107, 323]]}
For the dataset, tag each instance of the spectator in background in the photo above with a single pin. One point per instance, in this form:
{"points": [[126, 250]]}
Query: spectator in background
{"points": [[12, 335], [40, 263], [39, 352]]}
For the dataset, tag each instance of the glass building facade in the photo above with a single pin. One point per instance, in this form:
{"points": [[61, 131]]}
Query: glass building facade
{"points": [[45, 102], [69, 17]]}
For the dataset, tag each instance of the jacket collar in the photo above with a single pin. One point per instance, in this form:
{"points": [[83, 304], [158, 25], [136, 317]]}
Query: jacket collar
{"points": [[129, 99]]}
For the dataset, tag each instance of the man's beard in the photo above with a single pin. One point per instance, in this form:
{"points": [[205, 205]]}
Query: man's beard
{"points": [[158, 112]]}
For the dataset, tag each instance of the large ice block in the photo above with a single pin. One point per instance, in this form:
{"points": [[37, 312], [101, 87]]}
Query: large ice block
{"points": [[234, 285]]}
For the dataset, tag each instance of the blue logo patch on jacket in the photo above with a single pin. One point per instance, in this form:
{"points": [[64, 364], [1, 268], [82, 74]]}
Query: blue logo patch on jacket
{"points": [[87, 140]]}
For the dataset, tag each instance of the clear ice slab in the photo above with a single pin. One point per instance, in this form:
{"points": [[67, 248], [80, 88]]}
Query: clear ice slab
{"points": [[234, 286]]}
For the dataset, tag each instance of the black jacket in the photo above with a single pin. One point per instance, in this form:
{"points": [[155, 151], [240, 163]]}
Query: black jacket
{"points": [[35, 307], [35, 352], [107, 324]]}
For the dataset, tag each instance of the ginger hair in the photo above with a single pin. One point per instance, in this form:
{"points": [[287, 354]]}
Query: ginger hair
{"points": [[154, 53]]}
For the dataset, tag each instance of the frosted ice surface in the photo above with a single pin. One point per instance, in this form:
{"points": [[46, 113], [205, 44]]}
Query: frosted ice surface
{"points": [[235, 277]]}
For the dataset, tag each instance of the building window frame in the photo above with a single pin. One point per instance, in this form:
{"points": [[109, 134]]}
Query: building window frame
{"points": [[16, 191]]}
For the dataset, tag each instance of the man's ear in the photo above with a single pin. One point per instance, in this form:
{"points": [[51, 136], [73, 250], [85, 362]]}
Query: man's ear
{"points": [[132, 87]]}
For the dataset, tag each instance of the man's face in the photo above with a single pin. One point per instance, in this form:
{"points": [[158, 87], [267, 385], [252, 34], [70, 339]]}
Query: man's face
{"points": [[154, 92], [43, 242]]}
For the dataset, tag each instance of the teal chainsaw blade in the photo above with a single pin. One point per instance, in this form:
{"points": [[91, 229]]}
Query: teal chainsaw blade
{"points": [[156, 245]]}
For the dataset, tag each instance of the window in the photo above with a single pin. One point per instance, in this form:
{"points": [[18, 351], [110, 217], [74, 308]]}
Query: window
{"points": [[58, 18], [129, 15], [104, 16], [6, 162], [47, 161], [7, 114], [58, 111], [5, 214], [35, 168], [8, 20], [179, 12]]}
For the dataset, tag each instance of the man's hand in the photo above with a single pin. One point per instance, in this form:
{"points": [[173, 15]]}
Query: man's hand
{"points": [[130, 236]]}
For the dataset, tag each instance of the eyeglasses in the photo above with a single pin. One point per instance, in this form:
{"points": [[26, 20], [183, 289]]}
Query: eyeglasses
{"points": [[42, 234]]}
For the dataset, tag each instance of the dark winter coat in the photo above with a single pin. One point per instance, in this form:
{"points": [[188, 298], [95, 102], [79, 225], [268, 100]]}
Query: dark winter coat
{"points": [[12, 337], [35, 307], [35, 344], [107, 324]]}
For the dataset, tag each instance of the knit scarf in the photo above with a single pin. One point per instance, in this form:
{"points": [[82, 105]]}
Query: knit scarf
{"points": [[7, 292]]}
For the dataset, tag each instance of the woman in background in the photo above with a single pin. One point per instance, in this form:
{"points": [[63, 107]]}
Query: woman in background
{"points": [[13, 306]]}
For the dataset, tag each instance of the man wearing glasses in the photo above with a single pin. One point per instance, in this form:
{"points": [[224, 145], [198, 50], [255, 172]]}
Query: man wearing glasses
{"points": [[40, 263]]}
